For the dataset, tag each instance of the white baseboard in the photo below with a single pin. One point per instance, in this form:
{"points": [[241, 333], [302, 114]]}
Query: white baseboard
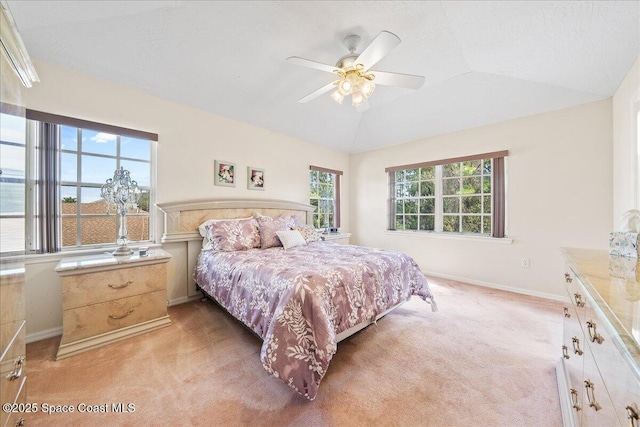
{"points": [[500, 287], [182, 300], [43, 335]]}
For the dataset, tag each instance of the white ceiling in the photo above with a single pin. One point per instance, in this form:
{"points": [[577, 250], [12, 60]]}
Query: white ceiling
{"points": [[484, 62]]}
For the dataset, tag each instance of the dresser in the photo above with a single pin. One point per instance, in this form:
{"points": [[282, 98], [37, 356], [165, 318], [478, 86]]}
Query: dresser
{"points": [[107, 298], [337, 237], [12, 341], [599, 368]]}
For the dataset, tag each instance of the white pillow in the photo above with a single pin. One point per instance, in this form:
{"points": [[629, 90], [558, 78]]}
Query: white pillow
{"points": [[291, 238], [203, 228]]}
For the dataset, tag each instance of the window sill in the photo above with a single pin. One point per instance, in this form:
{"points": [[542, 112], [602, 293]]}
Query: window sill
{"points": [[44, 258], [451, 236]]}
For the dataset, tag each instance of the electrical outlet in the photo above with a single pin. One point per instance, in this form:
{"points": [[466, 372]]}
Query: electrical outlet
{"points": [[524, 263]]}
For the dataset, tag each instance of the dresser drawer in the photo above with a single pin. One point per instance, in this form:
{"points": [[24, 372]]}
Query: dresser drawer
{"points": [[12, 419], [12, 365], [11, 298], [84, 322], [92, 288], [13, 339]]}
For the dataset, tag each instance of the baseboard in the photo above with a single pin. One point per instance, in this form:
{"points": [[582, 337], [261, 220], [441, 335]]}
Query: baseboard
{"points": [[182, 300], [500, 287], [43, 335]]}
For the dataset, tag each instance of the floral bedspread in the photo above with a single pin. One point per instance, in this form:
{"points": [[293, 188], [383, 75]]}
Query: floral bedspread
{"points": [[297, 300]]}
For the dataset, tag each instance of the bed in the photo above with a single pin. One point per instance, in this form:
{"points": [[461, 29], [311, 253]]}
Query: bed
{"points": [[302, 300]]}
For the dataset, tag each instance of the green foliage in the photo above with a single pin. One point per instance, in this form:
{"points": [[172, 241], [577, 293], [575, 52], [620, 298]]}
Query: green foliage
{"points": [[69, 200], [143, 203]]}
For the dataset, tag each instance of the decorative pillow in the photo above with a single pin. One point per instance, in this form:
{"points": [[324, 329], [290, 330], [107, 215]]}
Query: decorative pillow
{"points": [[269, 226], [309, 233], [291, 238], [204, 230], [234, 235]]}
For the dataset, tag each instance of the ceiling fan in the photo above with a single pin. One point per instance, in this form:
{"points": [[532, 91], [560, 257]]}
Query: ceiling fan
{"points": [[355, 76]]}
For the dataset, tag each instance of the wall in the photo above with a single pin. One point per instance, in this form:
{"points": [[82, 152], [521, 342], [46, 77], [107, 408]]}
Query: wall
{"points": [[559, 181], [626, 102], [189, 142]]}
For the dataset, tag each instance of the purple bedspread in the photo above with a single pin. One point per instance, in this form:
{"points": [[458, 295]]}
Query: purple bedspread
{"points": [[297, 300]]}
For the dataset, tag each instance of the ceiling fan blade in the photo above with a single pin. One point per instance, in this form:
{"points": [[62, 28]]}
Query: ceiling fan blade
{"points": [[380, 47], [408, 81], [317, 93], [312, 64]]}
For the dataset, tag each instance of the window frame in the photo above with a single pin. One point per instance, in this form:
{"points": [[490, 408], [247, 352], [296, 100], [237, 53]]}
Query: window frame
{"points": [[498, 194], [336, 174], [33, 224]]}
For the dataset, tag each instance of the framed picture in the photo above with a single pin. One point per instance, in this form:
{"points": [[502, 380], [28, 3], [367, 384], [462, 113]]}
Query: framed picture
{"points": [[225, 173], [255, 178]]}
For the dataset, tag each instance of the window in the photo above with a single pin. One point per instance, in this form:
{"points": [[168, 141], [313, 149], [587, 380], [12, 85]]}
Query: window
{"points": [[68, 161], [324, 194], [461, 195], [12, 183]]}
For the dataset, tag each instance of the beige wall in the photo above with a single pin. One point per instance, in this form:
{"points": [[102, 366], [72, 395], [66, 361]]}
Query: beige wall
{"points": [[626, 185], [189, 142], [559, 180]]}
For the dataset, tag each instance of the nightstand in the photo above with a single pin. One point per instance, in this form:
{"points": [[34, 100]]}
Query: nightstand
{"points": [[337, 237], [107, 299]]}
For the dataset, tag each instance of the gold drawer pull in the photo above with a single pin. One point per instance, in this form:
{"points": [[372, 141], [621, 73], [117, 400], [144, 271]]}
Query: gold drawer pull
{"points": [[574, 399], [595, 336], [568, 278], [18, 367], [566, 312], [576, 346], [565, 352], [632, 414], [122, 316], [578, 297], [112, 286], [589, 386], [19, 423]]}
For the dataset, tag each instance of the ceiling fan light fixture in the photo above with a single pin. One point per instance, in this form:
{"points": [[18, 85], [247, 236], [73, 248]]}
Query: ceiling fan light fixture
{"points": [[337, 96], [357, 98], [367, 87], [345, 86]]}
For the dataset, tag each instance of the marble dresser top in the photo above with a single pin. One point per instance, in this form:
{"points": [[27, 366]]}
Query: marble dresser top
{"points": [[107, 261], [614, 284]]}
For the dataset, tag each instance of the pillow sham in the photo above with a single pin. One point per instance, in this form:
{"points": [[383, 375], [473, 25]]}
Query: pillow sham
{"points": [[234, 235], [309, 233], [204, 230], [269, 226], [291, 238]]}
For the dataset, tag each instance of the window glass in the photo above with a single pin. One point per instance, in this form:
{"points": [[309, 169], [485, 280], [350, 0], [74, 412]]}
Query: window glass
{"points": [[12, 183], [68, 138], [322, 193], [99, 143], [456, 195], [134, 148], [87, 160]]}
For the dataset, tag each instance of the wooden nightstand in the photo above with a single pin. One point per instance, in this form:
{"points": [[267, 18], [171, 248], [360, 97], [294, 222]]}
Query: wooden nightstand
{"points": [[107, 299], [337, 237]]}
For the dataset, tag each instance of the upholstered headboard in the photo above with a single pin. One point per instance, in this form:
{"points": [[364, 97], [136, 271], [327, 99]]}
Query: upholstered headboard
{"points": [[181, 219]]}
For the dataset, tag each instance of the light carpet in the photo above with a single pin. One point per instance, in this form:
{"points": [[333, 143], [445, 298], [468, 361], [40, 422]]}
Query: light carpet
{"points": [[486, 358]]}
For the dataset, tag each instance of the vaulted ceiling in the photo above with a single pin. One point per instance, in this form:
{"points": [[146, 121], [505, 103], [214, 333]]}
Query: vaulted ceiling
{"points": [[484, 62]]}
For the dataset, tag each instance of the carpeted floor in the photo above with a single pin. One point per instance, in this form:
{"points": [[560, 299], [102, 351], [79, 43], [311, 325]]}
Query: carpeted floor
{"points": [[486, 358]]}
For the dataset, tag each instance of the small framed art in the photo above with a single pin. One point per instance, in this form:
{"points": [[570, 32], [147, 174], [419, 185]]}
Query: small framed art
{"points": [[225, 173], [255, 178]]}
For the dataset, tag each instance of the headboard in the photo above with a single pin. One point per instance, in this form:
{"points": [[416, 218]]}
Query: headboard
{"points": [[181, 219]]}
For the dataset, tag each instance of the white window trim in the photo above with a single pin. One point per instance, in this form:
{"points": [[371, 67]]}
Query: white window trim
{"points": [[449, 236]]}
